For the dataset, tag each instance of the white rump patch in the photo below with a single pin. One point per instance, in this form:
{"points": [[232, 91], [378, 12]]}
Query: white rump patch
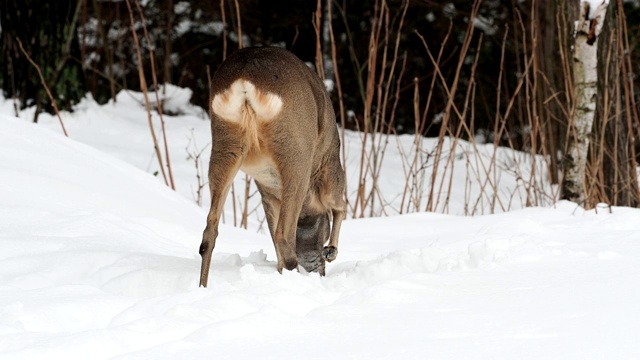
{"points": [[230, 104]]}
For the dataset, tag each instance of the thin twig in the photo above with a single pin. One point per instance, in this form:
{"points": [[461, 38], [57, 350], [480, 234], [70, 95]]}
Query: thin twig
{"points": [[46, 88], [143, 87]]}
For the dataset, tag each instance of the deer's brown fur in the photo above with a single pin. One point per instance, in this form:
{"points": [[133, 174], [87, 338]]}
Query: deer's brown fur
{"points": [[272, 118]]}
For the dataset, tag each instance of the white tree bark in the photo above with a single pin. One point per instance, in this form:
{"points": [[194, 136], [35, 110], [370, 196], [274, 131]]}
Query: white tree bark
{"points": [[585, 79]]}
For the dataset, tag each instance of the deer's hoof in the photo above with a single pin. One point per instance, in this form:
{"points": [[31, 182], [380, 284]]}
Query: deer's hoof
{"points": [[330, 253], [289, 264]]}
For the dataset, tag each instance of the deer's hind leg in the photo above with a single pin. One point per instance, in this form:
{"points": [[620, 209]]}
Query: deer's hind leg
{"points": [[294, 170], [226, 158], [284, 238]]}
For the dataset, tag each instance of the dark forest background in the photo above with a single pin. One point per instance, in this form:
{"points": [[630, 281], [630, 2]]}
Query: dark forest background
{"points": [[494, 71]]}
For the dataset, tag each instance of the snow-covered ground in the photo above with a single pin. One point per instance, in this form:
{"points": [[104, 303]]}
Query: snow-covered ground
{"points": [[122, 130], [98, 259]]}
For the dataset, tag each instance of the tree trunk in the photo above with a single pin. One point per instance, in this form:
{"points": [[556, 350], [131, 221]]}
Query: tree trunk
{"points": [[47, 30], [585, 78], [613, 157]]}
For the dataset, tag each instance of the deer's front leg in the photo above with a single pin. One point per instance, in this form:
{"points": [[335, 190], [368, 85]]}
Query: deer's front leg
{"points": [[330, 252]]}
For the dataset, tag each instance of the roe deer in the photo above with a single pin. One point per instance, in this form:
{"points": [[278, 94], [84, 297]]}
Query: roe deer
{"points": [[271, 117]]}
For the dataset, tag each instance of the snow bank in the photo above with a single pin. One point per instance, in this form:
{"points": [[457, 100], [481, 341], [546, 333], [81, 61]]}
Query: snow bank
{"points": [[99, 260], [461, 185], [175, 100]]}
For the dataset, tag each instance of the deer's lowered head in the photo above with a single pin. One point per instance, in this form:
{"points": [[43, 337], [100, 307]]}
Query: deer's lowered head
{"points": [[271, 117]]}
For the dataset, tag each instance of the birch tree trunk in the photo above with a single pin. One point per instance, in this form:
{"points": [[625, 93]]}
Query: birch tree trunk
{"points": [[613, 176], [326, 45], [585, 79]]}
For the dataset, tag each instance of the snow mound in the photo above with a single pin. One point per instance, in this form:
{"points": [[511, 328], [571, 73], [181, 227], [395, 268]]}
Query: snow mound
{"points": [[99, 260], [175, 100]]}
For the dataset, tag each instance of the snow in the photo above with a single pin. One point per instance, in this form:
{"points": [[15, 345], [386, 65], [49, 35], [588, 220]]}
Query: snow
{"points": [[121, 129], [100, 260], [594, 6]]}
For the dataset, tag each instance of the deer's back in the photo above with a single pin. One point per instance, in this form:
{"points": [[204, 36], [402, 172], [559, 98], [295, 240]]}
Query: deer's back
{"points": [[276, 71]]}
